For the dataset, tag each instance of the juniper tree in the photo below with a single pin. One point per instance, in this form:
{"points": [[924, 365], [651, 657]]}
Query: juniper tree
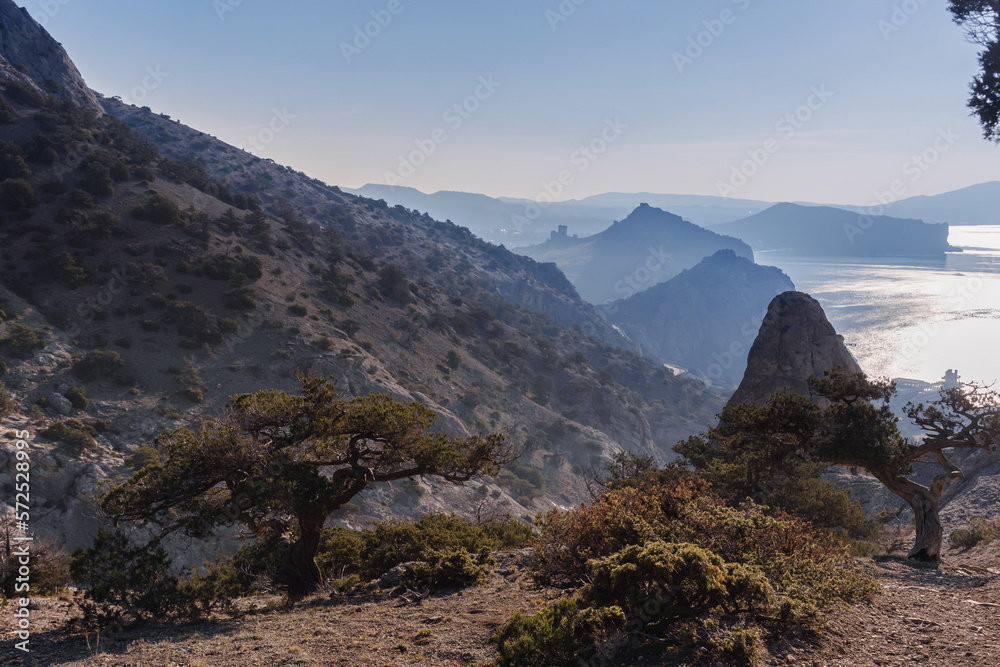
{"points": [[754, 447], [279, 462]]}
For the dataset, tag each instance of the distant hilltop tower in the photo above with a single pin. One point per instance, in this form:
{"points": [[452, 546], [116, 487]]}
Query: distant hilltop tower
{"points": [[563, 233], [951, 380]]}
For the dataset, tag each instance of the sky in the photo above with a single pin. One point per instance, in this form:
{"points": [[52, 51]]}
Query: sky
{"points": [[828, 102]]}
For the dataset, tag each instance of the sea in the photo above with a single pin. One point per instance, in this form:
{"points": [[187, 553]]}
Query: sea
{"points": [[912, 318]]}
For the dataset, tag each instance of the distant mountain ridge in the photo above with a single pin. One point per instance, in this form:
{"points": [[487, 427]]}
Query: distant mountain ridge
{"points": [[496, 218], [648, 247], [828, 231], [492, 218], [706, 318]]}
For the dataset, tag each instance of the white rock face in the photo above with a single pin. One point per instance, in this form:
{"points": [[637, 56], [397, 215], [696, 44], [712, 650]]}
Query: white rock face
{"points": [[795, 343], [28, 53]]}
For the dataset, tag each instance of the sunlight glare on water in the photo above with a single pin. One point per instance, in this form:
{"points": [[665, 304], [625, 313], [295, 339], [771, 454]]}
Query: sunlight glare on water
{"points": [[912, 318]]}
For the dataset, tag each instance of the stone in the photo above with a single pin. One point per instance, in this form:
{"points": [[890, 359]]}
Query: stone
{"points": [[60, 404], [796, 342]]}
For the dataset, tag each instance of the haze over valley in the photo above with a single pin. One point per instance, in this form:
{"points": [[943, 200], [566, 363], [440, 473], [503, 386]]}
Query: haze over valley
{"points": [[506, 335]]}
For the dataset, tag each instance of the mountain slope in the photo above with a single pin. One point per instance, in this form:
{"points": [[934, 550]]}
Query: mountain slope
{"points": [[646, 248], [823, 230], [704, 319], [162, 286], [29, 55]]}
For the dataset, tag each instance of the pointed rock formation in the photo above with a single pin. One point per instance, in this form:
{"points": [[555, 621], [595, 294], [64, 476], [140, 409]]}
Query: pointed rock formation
{"points": [[796, 342], [29, 54]]}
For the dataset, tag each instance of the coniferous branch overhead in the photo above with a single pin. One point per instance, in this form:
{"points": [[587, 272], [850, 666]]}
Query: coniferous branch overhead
{"points": [[981, 21]]}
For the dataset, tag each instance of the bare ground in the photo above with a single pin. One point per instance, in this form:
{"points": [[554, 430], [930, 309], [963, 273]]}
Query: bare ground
{"points": [[947, 616]]}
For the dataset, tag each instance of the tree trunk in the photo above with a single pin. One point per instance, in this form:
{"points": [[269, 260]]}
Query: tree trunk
{"points": [[924, 502], [298, 572]]}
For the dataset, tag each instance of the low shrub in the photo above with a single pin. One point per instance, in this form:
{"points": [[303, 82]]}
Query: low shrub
{"points": [[439, 540], [49, 567], [73, 432], [978, 532], [7, 404], [447, 569], [128, 585], [679, 564], [78, 397], [100, 365], [16, 195], [22, 341], [555, 636]]}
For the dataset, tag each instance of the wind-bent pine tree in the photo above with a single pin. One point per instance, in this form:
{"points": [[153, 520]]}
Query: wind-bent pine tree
{"points": [[752, 444], [278, 462]]}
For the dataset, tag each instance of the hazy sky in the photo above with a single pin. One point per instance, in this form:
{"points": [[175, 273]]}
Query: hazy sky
{"points": [[682, 92]]}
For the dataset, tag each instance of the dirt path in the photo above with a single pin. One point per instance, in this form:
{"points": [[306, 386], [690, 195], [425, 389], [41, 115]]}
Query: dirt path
{"points": [[946, 616]]}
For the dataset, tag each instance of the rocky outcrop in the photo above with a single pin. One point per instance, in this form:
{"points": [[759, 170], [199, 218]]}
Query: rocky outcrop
{"points": [[705, 319], [28, 53], [795, 343]]}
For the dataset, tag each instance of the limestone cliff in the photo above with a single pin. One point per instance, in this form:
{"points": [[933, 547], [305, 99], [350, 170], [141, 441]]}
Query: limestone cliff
{"points": [[28, 53]]}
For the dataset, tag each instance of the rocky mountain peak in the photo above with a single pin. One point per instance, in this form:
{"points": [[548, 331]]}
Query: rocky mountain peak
{"points": [[28, 53], [795, 342]]}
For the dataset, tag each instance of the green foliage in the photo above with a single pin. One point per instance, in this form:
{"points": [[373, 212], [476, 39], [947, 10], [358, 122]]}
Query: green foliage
{"points": [[12, 164], [78, 397], [8, 115], [298, 310], [556, 636], [230, 222], [194, 395], [7, 404], [776, 453], [272, 455], [16, 195], [128, 585], [96, 179], [22, 341], [24, 93], [373, 552], [453, 360], [979, 531], [523, 482], [143, 456], [73, 432], [103, 365], [667, 553], [446, 569], [240, 298], [393, 283], [682, 578], [80, 199], [237, 269], [49, 567], [160, 210], [979, 19], [64, 269]]}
